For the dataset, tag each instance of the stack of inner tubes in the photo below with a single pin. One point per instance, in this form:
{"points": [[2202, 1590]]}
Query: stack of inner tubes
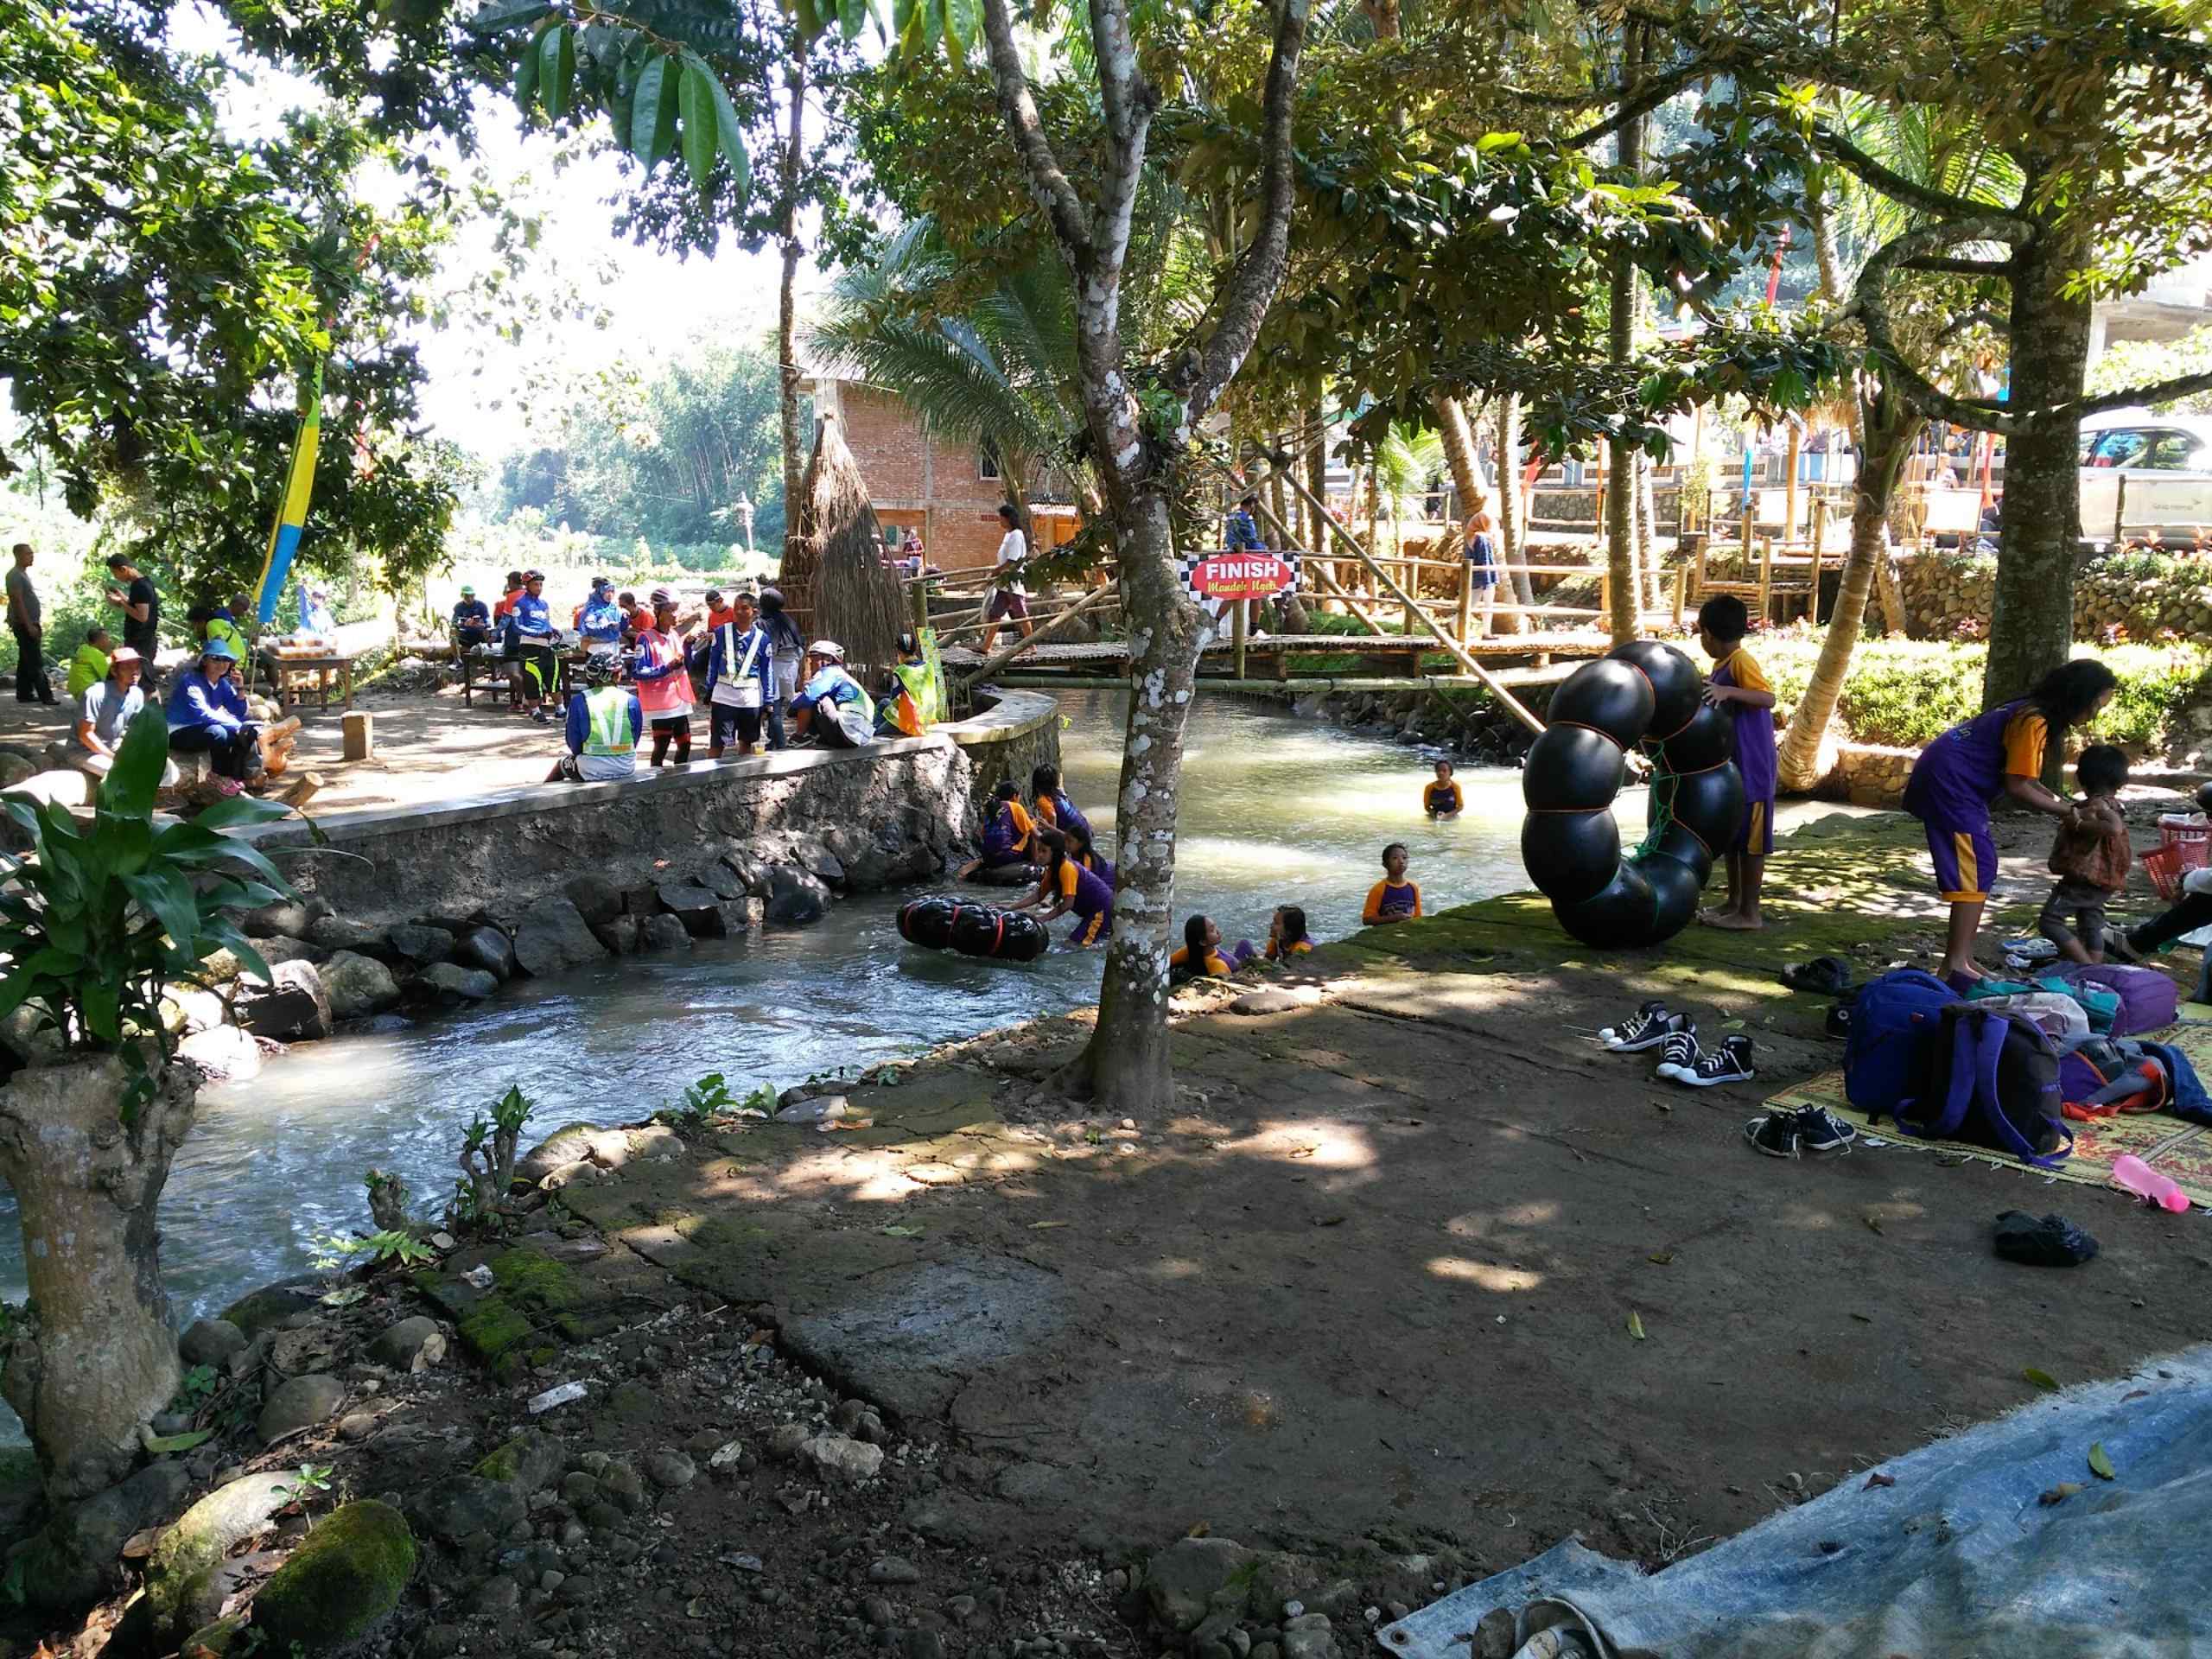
{"points": [[944, 923], [1649, 696]]}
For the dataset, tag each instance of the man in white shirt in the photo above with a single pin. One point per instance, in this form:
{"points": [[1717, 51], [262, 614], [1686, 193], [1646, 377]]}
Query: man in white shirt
{"points": [[1008, 597]]}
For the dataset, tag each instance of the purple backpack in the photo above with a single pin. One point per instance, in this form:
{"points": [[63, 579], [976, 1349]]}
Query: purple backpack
{"points": [[2149, 1000]]}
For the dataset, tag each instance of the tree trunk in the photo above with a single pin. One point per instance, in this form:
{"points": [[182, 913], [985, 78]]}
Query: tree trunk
{"points": [[1625, 594], [1886, 438], [1126, 1065], [1512, 544], [97, 1357], [2031, 619], [786, 310], [1317, 472], [1466, 478], [1647, 538]]}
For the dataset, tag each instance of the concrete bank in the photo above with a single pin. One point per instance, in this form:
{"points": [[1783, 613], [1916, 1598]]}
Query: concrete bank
{"points": [[508, 845]]}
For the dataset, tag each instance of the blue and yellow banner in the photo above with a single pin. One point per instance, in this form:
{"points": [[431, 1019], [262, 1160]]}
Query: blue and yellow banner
{"points": [[292, 509]]}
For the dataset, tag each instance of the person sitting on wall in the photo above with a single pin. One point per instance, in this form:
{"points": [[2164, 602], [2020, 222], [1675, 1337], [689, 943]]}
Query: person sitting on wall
{"points": [[472, 621], [605, 723], [208, 715], [833, 707], [104, 712], [89, 666], [902, 692]]}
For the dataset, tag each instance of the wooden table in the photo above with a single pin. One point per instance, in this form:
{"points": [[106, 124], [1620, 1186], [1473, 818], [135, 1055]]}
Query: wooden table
{"points": [[499, 669], [286, 671]]}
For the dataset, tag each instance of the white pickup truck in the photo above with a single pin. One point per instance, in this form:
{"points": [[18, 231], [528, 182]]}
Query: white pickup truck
{"points": [[2144, 472]]}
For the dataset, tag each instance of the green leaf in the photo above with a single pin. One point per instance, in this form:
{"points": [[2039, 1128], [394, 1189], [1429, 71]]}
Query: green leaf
{"points": [[731, 133], [170, 898], [652, 122], [852, 17], [128, 789], [557, 68], [496, 17], [526, 74], [1636, 1325], [241, 809], [964, 25], [808, 19], [701, 137], [158, 1445], [2099, 1465], [2043, 1380]]}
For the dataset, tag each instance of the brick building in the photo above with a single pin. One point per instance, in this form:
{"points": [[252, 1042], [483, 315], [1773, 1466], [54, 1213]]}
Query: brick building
{"points": [[946, 490]]}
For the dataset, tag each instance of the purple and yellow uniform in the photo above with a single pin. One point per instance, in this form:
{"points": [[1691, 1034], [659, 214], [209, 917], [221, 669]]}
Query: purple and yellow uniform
{"points": [[1955, 780], [1284, 952], [1089, 899], [1394, 898], [1754, 753], [1438, 799], [1057, 810], [1214, 963], [1006, 838]]}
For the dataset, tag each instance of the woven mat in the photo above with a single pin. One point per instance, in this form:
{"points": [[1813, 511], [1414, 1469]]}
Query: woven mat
{"points": [[2181, 1151]]}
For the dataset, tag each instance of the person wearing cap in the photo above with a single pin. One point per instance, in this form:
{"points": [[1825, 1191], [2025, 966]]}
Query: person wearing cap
{"points": [[208, 714], [833, 707], [89, 666], [142, 610], [740, 679], [664, 682], [604, 725], [599, 620], [472, 621], [314, 609], [790, 649], [104, 712], [533, 623]]}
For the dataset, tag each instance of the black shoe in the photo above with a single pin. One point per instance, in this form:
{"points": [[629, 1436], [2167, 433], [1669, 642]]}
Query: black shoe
{"points": [[1774, 1134], [1679, 1053], [1730, 1062], [1648, 1027], [1820, 1131], [1823, 975]]}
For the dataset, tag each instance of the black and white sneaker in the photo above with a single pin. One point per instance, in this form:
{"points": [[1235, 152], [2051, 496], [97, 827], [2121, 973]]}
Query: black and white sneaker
{"points": [[1730, 1062], [1774, 1134], [1820, 1131], [1648, 1027], [1679, 1053]]}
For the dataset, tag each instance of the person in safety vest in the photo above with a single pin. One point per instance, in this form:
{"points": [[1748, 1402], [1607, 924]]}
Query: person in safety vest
{"points": [[833, 707], [604, 725], [663, 679], [905, 693], [740, 678]]}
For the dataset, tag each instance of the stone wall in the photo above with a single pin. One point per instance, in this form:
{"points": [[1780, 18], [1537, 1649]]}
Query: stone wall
{"points": [[2141, 593], [890, 807]]}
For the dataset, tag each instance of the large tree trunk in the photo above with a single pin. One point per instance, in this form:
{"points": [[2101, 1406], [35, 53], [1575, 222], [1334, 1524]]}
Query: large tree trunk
{"points": [[2031, 620], [97, 1357], [1625, 594], [1459, 454], [1512, 544], [1316, 461], [786, 306], [1801, 760]]}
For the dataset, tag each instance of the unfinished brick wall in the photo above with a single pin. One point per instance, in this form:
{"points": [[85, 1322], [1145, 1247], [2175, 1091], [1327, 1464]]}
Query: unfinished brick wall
{"points": [[932, 485]]}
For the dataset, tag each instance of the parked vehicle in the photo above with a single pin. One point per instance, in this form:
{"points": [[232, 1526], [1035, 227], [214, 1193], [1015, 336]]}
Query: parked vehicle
{"points": [[2146, 477]]}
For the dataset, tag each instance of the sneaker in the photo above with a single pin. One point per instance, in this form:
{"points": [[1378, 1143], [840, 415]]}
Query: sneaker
{"points": [[1648, 1027], [1774, 1134], [1820, 1131], [2119, 947], [1679, 1053], [1730, 1062]]}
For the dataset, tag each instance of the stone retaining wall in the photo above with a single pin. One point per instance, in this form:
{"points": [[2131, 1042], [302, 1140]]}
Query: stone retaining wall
{"points": [[873, 807], [2140, 594]]}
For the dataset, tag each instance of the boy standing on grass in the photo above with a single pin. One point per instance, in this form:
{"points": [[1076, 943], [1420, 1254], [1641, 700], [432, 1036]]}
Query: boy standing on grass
{"points": [[1737, 686], [2091, 857]]}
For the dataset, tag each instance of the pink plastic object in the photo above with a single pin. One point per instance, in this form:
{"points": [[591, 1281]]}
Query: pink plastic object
{"points": [[2137, 1177]]}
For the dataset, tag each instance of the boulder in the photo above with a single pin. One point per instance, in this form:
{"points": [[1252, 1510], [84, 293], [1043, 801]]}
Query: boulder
{"points": [[295, 1009], [795, 896], [723, 882], [815, 856], [357, 985], [209, 1342], [419, 944], [696, 907], [451, 982], [340, 1585], [743, 915], [468, 1507], [1181, 1581], [622, 935], [413, 1344], [277, 948], [596, 899], [203, 1537], [298, 1403], [749, 869], [487, 949], [63, 787], [555, 935], [336, 933], [224, 1053], [71, 1561], [270, 1306], [286, 917], [663, 933], [15, 764], [528, 1461], [565, 1145]]}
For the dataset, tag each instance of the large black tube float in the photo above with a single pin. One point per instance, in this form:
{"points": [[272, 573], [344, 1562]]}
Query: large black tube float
{"points": [[943, 923], [1644, 695]]}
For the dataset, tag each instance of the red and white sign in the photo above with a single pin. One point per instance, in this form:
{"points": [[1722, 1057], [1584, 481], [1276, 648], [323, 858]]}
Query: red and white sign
{"points": [[1242, 575]]}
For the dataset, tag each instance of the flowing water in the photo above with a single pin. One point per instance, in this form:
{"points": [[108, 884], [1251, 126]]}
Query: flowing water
{"points": [[1276, 811]]}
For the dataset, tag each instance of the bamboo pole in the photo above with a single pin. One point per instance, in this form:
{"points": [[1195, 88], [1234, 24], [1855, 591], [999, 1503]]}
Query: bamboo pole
{"points": [[1005, 654]]}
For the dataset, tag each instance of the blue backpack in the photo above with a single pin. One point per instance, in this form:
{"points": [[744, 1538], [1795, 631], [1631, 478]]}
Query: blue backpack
{"points": [[1885, 1050], [1991, 1078]]}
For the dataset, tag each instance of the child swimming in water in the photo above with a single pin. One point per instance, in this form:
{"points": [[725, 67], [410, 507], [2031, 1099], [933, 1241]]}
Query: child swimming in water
{"points": [[1201, 952], [1009, 837], [1393, 899], [1067, 888], [1286, 933], [1441, 799]]}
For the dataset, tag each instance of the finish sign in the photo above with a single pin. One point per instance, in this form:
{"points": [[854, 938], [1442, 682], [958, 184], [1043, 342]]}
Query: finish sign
{"points": [[1242, 575]]}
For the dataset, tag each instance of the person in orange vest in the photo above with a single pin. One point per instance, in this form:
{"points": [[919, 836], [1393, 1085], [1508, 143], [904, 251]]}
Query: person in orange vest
{"points": [[664, 682]]}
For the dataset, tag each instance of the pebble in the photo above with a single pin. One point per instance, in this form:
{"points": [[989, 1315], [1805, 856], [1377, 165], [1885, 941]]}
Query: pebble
{"points": [[496, 1597], [540, 1404], [961, 1607], [924, 1644], [669, 1468], [551, 1580], [877, 1611], [893, 1569], [357, 1426]]}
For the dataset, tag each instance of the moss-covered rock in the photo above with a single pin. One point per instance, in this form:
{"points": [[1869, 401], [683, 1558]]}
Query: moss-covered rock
{"points": [[203, 1535], [495, 1331], [224, 1636], [270, 1306], [527, 1461], [341, 1583]]}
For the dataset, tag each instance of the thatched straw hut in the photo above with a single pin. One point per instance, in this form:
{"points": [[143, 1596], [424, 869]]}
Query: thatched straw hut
{"points": [[834, 580]]}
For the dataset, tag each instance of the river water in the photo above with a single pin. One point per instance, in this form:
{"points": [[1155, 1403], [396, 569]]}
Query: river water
{"points": [[1276, 811]]}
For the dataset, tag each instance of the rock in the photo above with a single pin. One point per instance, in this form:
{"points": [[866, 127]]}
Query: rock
{"points": [[295, 1009], [297, 1404], [209, 1342], [357, 985], [357, 1426], [1267, 1000], [451, 982], [924, 1644], [743, 915], [463, 1509], [893, 1569], [225, 1054], [663, 933], [270, 1306], [816, 857], [752, 871], [336, 933], [496, 1598], [485, 949], [72, 1561], [528, 1461], [64, 787], [17, 764], [421, 945], [848, 1460], [877, 1613], [795, 897], [785, 1440], [596, 899], [698, 908], [286, 915], [555, 935], [722, 882], [568, 1144], [623, 1485], [413, 1344], [620, 935], [1181, 1581], [195, 1011], [340, 1583], [276, 949], [671, 1469], [204, 1537], [1496, 1633], [1309, 1637]]}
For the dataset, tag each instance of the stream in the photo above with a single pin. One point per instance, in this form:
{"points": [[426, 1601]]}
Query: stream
{"points": [[1276, 811]]}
